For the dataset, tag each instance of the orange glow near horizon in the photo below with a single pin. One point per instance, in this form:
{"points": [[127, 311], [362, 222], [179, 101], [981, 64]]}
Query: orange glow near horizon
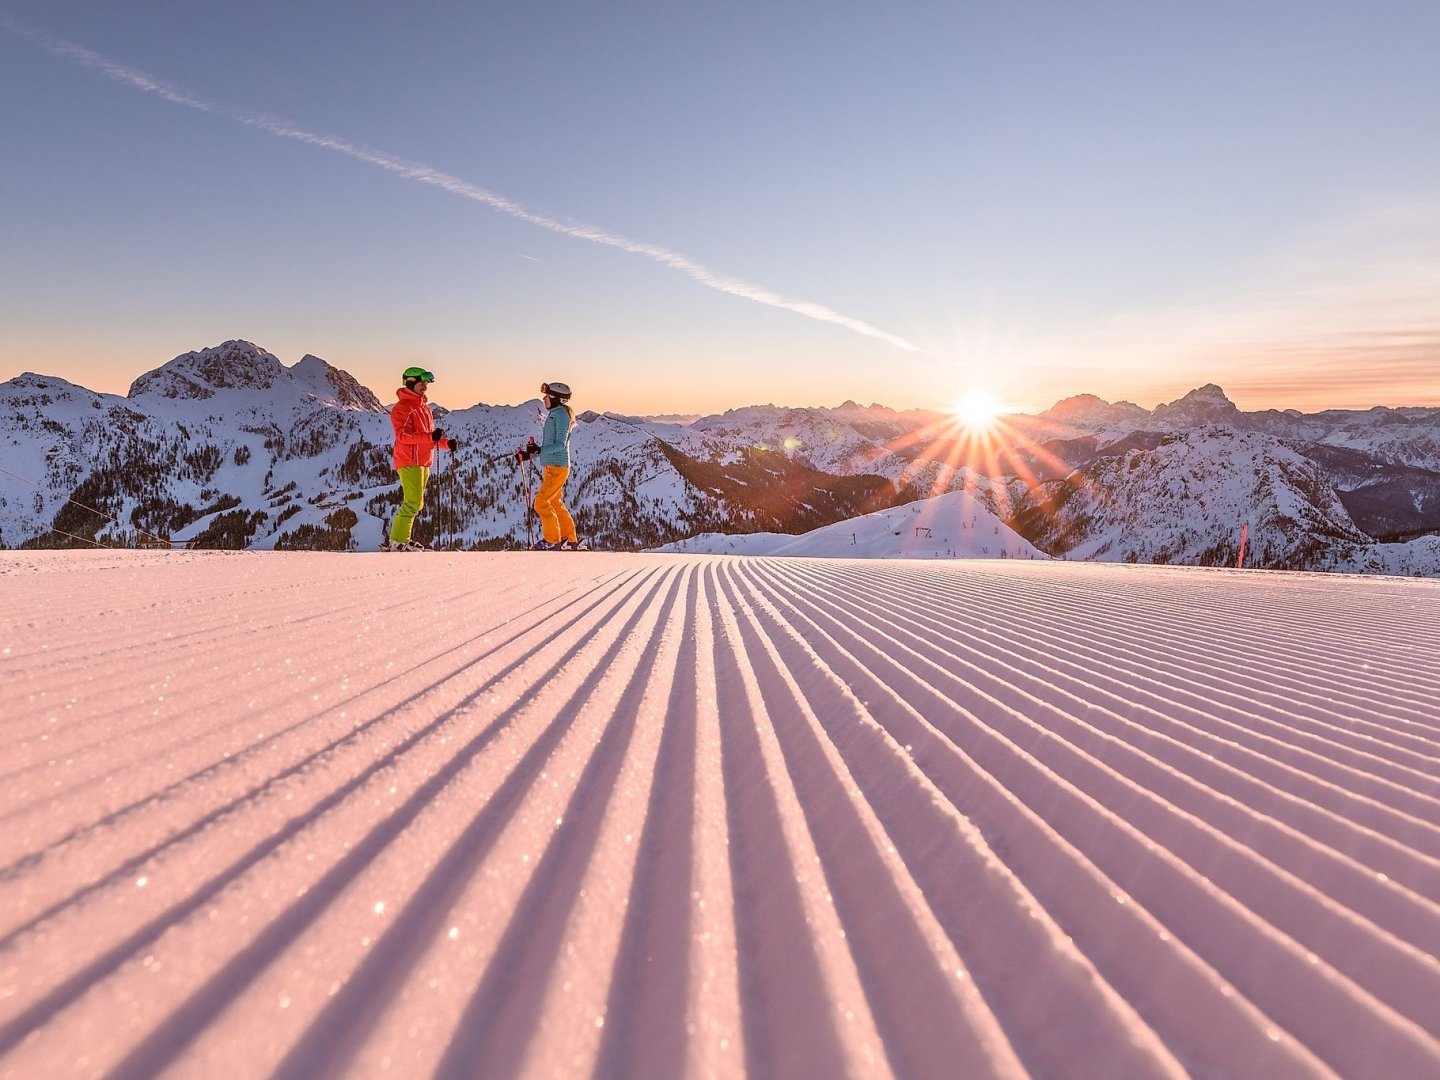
{"points": [[977, 410], [994, 447], [472, 373]]}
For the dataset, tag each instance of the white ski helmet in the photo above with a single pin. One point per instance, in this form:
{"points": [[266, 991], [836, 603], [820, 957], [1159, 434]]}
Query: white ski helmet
{"points": [[557, 390]]}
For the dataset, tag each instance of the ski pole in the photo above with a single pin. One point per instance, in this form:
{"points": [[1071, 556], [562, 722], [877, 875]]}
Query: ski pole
{"points": [[529, 502], [440, 496], [529, 506], [522, 484], [447, 480], [519, 487]]}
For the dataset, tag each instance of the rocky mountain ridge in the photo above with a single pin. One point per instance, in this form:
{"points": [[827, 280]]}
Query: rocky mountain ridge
{"points": [[227, 446]]}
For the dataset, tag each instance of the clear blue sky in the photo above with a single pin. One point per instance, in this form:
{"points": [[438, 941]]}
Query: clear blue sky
{"points": [[1126, 198]]}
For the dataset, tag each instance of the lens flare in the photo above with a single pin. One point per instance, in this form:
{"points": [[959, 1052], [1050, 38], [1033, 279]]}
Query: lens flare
{"points": [[977, 410], [978, 445]]}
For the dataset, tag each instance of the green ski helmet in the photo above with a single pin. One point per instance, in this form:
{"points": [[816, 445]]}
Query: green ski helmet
{"points": [[414, 373]]}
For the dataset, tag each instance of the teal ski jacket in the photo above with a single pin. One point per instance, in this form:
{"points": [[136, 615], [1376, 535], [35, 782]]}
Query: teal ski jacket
{"points": [[555, 442]]}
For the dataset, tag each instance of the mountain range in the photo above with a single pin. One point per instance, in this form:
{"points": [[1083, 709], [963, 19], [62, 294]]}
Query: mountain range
{"points": [[229, 447]]}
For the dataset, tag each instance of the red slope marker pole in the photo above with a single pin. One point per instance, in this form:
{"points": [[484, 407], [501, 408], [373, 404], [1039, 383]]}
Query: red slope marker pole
{"points": [[1244, 532]]}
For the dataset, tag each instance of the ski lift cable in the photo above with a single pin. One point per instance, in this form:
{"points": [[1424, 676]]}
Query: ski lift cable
{"points": [[51, 528], [82, 506]]}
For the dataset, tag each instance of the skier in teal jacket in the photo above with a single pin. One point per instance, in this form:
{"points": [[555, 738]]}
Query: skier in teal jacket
{"points": [[556, 525]]}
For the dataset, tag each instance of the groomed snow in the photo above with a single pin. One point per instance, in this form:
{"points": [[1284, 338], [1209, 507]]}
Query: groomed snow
{"points": [[658, 816]]}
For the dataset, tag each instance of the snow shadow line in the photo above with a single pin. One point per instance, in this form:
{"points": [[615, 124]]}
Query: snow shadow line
{"points": [[14, 1030], [974, 903], [1194, 644], [499, 1023], [1229, 663], [135, 862], [26, 862], [645, 1036], [925, 1030], [1137, 664], [1364, 796], [351, 1012], [152, 649], [215, 641], [1345, 867], [1260, 960], [787, 1023]]}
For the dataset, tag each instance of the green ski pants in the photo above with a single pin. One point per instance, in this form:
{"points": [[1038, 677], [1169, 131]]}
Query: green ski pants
{"points": [[413, 479]]}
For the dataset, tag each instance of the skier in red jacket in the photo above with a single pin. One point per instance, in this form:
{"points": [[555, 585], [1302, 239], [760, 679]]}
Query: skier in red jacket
{"points": [[416, 439]]}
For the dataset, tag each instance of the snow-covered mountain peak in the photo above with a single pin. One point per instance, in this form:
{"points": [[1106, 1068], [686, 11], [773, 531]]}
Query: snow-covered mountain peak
{"points": [[1087, 409], [1186, 500], [1209, 395], [32, 380], [851, 407], [734, 418], [333, 386], [30, 383], [50, 397], [1077, 405], [233, 365], [243, 367], [1207, 404]]}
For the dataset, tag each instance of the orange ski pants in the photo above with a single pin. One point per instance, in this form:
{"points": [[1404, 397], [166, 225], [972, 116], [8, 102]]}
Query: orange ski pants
{"points": [[555, 521]]}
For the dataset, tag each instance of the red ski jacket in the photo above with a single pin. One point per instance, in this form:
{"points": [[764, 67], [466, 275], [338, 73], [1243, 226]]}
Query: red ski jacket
{"points": [[413, 424]]}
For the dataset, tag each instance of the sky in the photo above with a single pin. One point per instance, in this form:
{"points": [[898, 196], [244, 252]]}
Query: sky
{"points": [[692, 207]]}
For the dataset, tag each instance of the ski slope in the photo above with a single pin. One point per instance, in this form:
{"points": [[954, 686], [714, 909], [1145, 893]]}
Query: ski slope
{"points": [[658, 816]]}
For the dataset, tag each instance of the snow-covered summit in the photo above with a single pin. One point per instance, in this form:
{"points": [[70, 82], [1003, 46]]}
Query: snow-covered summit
{"points": [[1186, 500], [850, 440], [33, 392], [1205, 405], [332, 386], [233, 365], [244, 366], [1089, 409]]}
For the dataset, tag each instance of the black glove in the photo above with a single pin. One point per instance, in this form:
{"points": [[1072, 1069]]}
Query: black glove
{"points": [[454, 445], [532, 447], [437, 434]]}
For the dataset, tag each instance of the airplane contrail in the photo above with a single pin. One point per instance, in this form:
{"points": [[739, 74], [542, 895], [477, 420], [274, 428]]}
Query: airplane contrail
{"points": [[424, 174]]}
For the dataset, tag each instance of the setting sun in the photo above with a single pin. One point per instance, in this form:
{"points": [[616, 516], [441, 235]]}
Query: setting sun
{"points": [[977, 409]]}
